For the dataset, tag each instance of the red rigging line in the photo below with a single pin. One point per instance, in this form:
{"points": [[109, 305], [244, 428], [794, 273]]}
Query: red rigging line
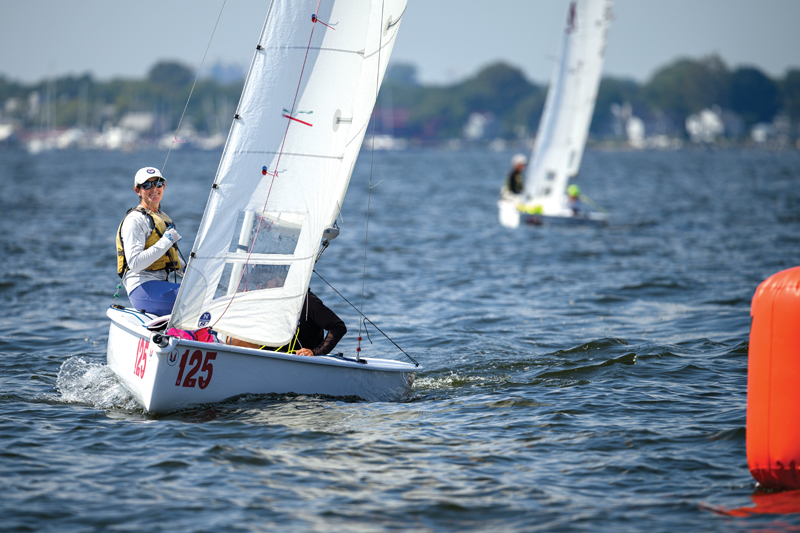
{"points": [[274, 175], [571, 18]]}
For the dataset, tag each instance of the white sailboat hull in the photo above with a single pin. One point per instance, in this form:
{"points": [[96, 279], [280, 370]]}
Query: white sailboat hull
{"points": [[178, 373], [510, 216]]}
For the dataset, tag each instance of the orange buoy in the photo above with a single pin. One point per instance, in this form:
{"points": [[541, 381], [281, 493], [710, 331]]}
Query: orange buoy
{"points": [[773, 382]]}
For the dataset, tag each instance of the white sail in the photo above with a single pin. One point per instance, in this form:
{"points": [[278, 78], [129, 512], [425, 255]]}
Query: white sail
{"points": [[568, 109], [303, 113]]}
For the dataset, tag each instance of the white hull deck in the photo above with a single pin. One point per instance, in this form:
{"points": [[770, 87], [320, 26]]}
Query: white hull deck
{"points": [[165, 374], [510, 216]]}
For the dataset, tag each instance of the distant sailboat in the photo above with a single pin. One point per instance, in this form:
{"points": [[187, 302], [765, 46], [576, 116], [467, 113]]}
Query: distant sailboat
{"points": [[284, 172], [564, 125]]}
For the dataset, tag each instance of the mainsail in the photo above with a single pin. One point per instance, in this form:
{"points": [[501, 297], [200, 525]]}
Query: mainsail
{"points": [[284, 172], [568, 110]]}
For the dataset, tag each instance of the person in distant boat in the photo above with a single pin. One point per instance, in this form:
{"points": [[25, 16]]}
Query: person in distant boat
{"points": [[516, 178], [147, 250], [573, 200], [309, 338]]}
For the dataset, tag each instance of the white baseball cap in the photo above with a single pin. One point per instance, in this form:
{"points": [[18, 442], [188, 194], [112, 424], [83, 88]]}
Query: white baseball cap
{"points": [[519, 159], [144, 174]]}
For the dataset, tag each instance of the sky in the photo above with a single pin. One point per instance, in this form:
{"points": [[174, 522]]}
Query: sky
{"points": [[447, 40]]}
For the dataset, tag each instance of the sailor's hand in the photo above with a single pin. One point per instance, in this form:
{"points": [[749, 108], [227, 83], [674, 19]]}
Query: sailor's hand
{"points": [[173, 235], [304, 351]]}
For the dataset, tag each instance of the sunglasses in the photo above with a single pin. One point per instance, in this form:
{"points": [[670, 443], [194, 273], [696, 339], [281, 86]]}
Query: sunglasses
{"points": [[147, 185]]}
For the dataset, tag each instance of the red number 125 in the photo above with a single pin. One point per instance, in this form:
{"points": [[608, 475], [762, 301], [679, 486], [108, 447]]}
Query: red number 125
{"points": [[195, 366]]}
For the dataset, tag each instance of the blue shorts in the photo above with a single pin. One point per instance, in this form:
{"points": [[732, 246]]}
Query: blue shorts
{"points": [[155, 297]]}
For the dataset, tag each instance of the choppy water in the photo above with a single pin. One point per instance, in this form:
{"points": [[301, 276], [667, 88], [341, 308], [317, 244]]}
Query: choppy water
{"points": [[576, 379]]}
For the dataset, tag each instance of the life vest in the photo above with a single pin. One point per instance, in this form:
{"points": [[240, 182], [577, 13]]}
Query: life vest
{"points": [[170, 261]]}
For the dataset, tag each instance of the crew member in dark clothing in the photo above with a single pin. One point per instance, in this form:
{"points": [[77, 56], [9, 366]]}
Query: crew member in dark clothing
{"points": [[516, 178], [315, 319], [309, 338]]}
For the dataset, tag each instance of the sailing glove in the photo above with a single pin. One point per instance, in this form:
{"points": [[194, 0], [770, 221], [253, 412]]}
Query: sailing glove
{"points": [[172, 235]]}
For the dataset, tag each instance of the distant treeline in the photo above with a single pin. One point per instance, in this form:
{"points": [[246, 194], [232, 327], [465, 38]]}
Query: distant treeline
{"points": [[674, 92], [85, 102], [406, 108]]}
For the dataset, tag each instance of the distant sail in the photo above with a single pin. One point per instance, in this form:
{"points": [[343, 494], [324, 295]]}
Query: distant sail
{"points": [[304, 110], [568, 110]]}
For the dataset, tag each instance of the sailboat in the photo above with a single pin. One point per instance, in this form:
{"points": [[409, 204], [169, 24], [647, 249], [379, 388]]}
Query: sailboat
{"points": [[564, 126], [272, 210]]}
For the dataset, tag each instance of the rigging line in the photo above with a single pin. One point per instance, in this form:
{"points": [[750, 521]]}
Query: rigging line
{"points": [[188, 99], [369, 190], [175, 137], [592, 203], [365, 318], [383, 44], [277, 165]]}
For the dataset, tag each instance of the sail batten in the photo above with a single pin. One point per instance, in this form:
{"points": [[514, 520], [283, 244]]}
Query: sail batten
{"points": [[316, 49], [286, 166], [290, 154]]}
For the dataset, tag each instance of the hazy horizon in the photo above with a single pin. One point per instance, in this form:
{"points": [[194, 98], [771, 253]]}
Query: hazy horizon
{"points": [[447, 40]]}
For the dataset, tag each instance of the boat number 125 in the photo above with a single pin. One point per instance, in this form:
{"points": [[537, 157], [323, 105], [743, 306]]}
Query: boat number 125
{"points": [[196, 364]]}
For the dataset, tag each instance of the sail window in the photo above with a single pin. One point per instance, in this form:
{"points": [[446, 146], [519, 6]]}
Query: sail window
{"points": [[551, 175], [248, 278], [266, 233]]}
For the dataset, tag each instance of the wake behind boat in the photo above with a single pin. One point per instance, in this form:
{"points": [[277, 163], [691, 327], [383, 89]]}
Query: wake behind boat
{"points": [[564, 127], [272, 210]]}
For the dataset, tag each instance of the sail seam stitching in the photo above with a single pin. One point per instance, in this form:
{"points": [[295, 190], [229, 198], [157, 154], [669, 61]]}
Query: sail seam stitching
{"points": [[318, 48], [297, 154]]}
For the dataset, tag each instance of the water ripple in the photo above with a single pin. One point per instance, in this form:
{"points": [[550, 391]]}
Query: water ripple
{"points": [[575, 378]]}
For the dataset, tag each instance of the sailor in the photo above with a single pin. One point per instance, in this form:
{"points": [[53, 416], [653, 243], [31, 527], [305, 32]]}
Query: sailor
{"points": [[315, 319], [147, 250], [516, 177], [309, 338], [573, 199]]}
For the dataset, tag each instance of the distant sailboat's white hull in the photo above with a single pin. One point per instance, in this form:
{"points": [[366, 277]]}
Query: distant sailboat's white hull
{"points": [[510, 216], [568, 218], [178, 373]]}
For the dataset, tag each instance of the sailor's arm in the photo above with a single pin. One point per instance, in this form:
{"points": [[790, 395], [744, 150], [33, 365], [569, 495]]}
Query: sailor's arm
{"points": [[328, 321]]}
